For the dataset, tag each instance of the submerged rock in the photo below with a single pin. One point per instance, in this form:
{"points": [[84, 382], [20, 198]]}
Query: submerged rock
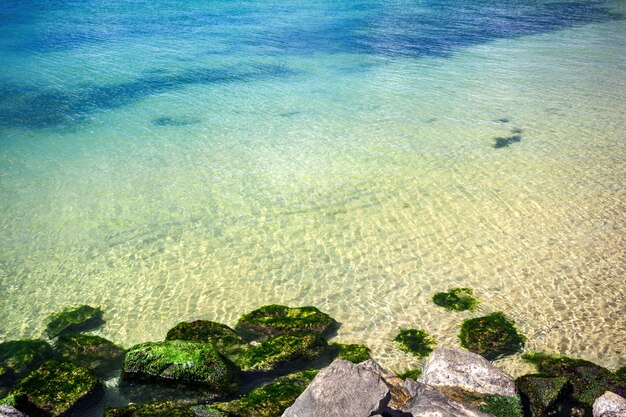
{"points": [[458, 369], [343, 389], [153, 409], [273, 320], [276, 352], [205, 331], [19, 357], [92, 352], [609, 405], [182, 362], [502, 142], [457, 299], [491, 336], [543, 394], [415, 341], [74, 319], [354, 353], [55, 388]]}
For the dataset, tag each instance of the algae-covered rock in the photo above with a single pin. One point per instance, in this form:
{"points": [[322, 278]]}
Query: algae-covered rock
{"points": [[152, 409], [205, 331], [275, 352], [588, 380], [18, 357], [73, 319], [413, 374], [93, 352], [55, 388], [270, 400], [355, 353], [182, 362], [457, 299], [491, 336], [415, 341], [273, 320], [542, 393], [500, 406]]}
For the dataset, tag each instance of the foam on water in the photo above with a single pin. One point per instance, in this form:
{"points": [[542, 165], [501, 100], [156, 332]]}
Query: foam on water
{"points": [[168, 179]]}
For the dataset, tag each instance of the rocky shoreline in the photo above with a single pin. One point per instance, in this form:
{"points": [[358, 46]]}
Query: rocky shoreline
{"points": [[277, 361]]}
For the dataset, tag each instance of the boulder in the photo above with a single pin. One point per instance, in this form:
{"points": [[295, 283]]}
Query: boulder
{"points": [[543, 394], [273, 320], [609, 405], [8, 411], [431, 403], [276, 352], [153, 409], [19, 357], [93, 352], [182, 362], [467, 371], [343, 389], [74, 319], [491, 336], [205, 331]]}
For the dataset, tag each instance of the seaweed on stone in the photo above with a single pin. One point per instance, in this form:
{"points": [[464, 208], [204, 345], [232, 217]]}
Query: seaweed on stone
{"points": [[502, 142], [543, 395], [269, 400], [457, 299], [154, 409], [415, 341], [74, 319], [55, 388], [411, 374], [500, 406], [273, 320], [355, 353], [205, 331], [18, 357], [491, 336], [92, 352], [182, 362], [269, 355]]}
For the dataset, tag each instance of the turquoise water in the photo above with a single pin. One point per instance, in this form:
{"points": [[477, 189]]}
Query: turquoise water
{"points": [[179, 160]]}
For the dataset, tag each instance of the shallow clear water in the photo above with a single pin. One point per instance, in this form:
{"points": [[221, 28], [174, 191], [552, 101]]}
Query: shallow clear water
{"points": [[171, 161]]}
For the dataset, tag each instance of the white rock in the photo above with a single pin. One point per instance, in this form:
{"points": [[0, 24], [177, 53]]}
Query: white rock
{"points": [[609, 405]]}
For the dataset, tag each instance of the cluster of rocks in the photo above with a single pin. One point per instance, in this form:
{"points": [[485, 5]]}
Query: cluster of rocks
{"points": [[228, 370]]}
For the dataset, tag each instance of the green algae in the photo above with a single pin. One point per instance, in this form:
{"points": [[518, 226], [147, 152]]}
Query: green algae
{"points": [[457, 299], [73, 319], [588, 381], [205, 331], [491, 336], [275, 352], [54, 388], [156, 409], [182, 362], [273, 320], [355, 353], [543, 394], [18, 357], [92, 352], [500, 406], [270, 400], [415, 341], [411, 374]]}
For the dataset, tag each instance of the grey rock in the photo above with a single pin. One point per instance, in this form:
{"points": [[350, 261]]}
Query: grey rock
{"points": [[431, 403], [343, 389], [609, 405], [8, 411], [459, 369]]}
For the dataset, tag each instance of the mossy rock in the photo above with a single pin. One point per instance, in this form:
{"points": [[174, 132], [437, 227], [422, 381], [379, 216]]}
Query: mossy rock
{"points": [[411, 374], [543, 394], [55, 388], [205, 331], [280, 350], [457, 299], [588, 380], [354, 353], [19, 357], [270, 400], [500, 406], [182, 362], [274, 320], [74, 319], [415, 341], [152, 409], [491, 336], [93, 352]]}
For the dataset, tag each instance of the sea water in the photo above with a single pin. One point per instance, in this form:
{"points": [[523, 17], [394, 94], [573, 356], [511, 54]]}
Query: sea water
{"points": [[178, 160]]}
